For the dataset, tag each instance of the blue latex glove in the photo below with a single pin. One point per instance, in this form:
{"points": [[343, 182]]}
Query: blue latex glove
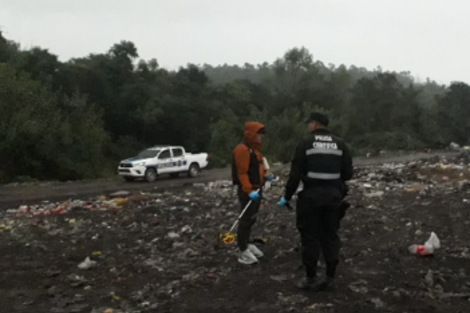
{"points": [[269, 177], [254, 195], [283, 202]]}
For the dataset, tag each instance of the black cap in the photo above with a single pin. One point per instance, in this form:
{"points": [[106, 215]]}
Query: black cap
{"points": [[319, 118]]}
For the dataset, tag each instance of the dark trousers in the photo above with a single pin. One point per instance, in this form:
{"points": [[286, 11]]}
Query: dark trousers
{"points": [[318, 227], [247, 220], [344, 206]]}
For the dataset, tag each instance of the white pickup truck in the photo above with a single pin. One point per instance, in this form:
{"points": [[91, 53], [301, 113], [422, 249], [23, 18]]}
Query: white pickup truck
{"points": [[172, 160]]}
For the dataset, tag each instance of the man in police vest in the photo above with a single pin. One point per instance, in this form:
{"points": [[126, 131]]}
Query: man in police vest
{"points": [[323, 163]]}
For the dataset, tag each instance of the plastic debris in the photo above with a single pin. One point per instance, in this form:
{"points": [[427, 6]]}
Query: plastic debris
{"points": [[87, 264], [432, 244], [120, 194], [376, 194], [113, 295], [172, 266], [377, 302], [454, 146], [320, 306], [279, 278], [359, 286], [186, 229], [211, 276], [173, 235]]}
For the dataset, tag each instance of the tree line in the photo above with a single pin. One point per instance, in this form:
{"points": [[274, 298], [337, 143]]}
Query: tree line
{"points": [[77, 119]]}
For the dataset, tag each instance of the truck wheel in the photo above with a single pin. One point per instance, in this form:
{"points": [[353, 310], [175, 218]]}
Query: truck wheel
{"points": [[150, 175], [129, 179], [193, 170], [174, 175]]}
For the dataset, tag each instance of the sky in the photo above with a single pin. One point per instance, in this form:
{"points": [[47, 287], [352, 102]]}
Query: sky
{"points": [[429, 38]]}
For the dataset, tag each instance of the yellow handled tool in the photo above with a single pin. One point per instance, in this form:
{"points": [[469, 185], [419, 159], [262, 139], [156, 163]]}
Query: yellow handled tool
{"points": [[229, 238]]}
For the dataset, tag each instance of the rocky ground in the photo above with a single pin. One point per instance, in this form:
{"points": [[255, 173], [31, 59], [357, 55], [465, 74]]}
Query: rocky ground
{"points": [[159, 252]]}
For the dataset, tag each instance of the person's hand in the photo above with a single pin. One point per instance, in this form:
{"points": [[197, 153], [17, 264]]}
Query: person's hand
{"points": [[283, 202], [254, 195], [269, 177]]}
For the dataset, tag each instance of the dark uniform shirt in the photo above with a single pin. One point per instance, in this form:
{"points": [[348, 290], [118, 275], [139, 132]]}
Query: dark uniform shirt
{"points": [[322, 162]]}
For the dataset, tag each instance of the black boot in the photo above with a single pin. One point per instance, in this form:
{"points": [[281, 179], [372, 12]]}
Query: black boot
{"points": [[322, 284], [331, 269], [306, 283]]}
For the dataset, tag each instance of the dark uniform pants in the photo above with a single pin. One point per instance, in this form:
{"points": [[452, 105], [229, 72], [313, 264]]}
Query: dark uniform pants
{"points": [[247, 220], [317, 222]]}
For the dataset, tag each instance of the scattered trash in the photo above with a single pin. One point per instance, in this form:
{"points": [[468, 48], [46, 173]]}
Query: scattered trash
{"points": [[177, 245], [428, 248], [377, 302], [454, 146], [211, 276], [319, 306], [279, 278], [113, 295], [376, 194], [190, 253], [186, 229], [292, 299], [160, 251], [86, 264], [359, 286], [429, 278], [120, 194], [173, 235]]}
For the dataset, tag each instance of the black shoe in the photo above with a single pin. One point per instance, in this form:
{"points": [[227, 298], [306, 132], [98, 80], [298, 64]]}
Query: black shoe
{"points": [[306, 283], [322, 284]]}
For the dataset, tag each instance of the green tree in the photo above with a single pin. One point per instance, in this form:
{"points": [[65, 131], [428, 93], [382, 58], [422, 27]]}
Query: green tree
{"points": [[41, 138], [454, 114]]}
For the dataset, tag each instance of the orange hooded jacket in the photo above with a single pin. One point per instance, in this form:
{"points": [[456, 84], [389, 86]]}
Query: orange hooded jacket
{"points": [[242, 155]]}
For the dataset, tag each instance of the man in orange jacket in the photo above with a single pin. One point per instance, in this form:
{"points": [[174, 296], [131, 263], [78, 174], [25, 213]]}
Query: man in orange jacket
{"points": [[248, 173]]}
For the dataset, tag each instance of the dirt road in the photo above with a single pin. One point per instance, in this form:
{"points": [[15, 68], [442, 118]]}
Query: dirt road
{"points": [[11, 196]]}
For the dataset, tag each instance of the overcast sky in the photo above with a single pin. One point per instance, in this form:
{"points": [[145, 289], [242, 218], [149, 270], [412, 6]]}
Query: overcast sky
{"points": [[430, 38]]}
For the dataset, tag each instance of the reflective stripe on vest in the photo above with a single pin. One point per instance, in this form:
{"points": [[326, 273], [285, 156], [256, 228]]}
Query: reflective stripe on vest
{"points": [[324, 151], [324, 176]]}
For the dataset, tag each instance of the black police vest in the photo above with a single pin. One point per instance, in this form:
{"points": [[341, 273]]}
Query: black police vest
{"points": [[324, 154], [253, 169]]}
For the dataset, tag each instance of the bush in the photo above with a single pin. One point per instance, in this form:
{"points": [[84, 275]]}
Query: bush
{"points": [[40, 138]]}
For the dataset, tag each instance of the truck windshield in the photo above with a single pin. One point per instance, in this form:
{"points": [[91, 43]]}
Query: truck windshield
{"points": [[146, 154]]}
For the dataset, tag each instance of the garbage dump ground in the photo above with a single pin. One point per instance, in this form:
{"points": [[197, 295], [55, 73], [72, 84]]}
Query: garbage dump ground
{"points": [[159, 252], [20, 193]]}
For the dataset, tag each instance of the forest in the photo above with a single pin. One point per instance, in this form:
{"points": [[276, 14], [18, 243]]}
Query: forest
{"points": [[76, 119]]}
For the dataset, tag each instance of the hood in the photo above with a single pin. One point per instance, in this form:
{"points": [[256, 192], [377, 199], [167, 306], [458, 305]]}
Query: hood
{"points": [[251, 129], [135, 159]]}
